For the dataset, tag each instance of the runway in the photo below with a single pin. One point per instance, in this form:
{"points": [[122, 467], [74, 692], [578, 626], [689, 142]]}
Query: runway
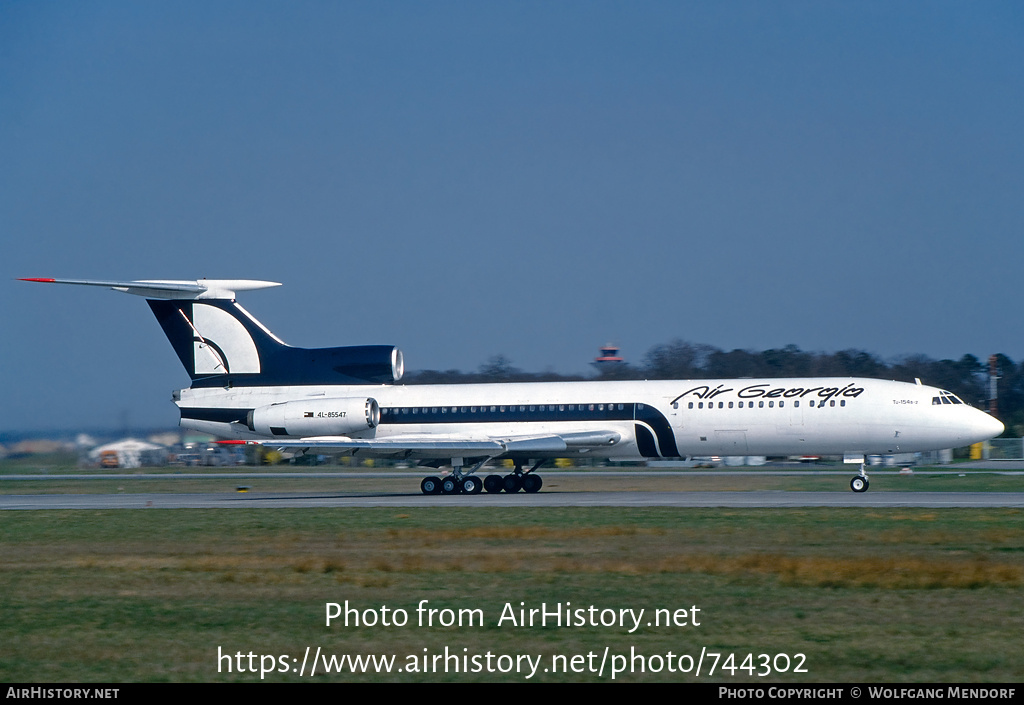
{"points": [[752, 499], [605, 488]]}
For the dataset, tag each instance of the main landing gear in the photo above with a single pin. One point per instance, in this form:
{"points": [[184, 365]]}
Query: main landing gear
{"points": [[515, 481], [451, 485], [468, 483], [860, 482]]}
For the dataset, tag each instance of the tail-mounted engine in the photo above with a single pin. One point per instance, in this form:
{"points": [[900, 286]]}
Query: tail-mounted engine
{"points": [[316, 417]]}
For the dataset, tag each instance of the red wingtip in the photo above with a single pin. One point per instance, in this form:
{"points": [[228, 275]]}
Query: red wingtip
{"points": [[37, 279], [231, 443]]}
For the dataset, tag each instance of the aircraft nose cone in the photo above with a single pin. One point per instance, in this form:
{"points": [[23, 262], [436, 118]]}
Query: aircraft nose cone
{"points": [[987, 426], [994, 426]]}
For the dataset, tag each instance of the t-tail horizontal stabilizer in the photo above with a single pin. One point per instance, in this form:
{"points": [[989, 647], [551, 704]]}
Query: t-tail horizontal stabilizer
{"points": [[170, 288]]}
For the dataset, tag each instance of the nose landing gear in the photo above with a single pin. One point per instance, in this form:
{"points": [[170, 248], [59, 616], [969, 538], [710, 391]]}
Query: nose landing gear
{"points": [[860, 482]]}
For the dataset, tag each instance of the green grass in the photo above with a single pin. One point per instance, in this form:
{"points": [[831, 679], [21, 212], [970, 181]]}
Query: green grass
{"points": [[866, 594]]}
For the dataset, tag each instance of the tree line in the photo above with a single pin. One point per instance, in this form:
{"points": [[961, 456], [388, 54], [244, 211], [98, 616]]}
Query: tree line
{"points": [[679, 359]]}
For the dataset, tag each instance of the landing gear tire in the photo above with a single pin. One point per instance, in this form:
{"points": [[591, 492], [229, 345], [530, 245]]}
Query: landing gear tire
{"points": [[450, 485], [471, 485], [512, 483], [532, 483], [431, 485], [859, 484], [494, 483]]}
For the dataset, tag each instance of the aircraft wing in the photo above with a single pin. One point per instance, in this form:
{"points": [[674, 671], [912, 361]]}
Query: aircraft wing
{"points": [[427, 447]]}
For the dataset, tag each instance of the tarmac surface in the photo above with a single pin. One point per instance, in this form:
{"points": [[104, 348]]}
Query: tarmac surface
{"points": [[548, 497]]}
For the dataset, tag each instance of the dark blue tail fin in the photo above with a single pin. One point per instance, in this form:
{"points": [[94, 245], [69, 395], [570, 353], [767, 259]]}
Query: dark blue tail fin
{"points": [[221, 345]]}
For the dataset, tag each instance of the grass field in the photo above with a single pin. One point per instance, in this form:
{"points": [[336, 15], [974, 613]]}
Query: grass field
{"points": [[866, 595]]}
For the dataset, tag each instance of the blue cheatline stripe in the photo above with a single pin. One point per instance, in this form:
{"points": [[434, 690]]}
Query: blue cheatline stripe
{"points": [[536, 413], [218, 415], [645, 442], [508, 413], [656, 420]]}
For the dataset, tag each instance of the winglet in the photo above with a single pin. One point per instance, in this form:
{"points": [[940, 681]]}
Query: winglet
{"points": [[170, 288]]}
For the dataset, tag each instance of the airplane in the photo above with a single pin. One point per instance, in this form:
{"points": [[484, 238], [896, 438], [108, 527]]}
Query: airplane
{"points": [[247, 385]]}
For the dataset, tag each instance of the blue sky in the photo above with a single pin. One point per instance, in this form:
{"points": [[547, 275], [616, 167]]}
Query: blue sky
{"points": [[467, 179]]}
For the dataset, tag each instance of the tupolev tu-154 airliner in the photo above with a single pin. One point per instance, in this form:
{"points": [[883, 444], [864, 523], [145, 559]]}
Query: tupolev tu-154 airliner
{"points": [[249, 386]]}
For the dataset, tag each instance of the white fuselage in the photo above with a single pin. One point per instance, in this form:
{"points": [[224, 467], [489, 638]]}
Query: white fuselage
{"points": [[247, 384], [800, 416]]}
